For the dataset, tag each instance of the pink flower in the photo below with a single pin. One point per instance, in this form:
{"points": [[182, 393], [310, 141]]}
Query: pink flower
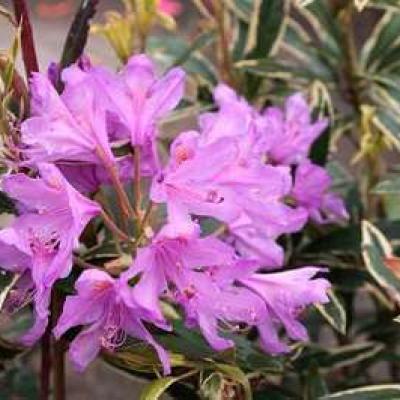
{"points": [[312, 193], [217, 180], [106, 309], [236, 119], [290, 131], [39, 243], [217, 289], [179, 266], [135, 97], [285, 295], [71, 127]]}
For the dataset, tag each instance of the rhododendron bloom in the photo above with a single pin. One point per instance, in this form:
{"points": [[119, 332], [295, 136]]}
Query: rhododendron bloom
{"points": [[285, 294], [135, 97], [311, 191], [106, 309], [71, 126], [173, 252], [290, 131], [39, 243], [245, 175]]}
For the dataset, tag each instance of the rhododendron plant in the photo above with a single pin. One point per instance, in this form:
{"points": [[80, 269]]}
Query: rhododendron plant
{"points": [[220, 173], [178, 216]]}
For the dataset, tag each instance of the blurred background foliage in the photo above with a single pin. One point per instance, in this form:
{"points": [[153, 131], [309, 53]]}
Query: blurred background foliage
{"points": [[345, 55]]}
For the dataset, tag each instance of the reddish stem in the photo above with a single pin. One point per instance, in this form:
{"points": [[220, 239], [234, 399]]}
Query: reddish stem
{"points": [[45, 367], [58, 349], [27, 42]]}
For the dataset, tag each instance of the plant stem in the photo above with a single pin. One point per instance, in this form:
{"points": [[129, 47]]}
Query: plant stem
{"points": [[27, 42], [113, 227], [58, 350], [225, 56], [112, 170], [45, 367]]}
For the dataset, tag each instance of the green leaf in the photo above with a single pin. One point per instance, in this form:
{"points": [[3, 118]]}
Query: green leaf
{"points": [[267, 26], [249, 357], [320, 149], [212, 387], [388, 123], [169, 49], [315, 386], [6, 204], [380, 41], [237, 375], [241, 8], [188, 342], [320, 17], [300, 46], [389, 186], [19, 382], [334, 313], [374, 392], [375, 248], [78, 33], [156, 388], [201, 41], [339, 357]]}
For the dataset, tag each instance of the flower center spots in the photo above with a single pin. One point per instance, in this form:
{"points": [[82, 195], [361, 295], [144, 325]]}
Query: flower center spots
{"points": [[43, 244], [101, 286], [189, 292], [182, 154], [113, 337], [214, 197], [160, 178]]}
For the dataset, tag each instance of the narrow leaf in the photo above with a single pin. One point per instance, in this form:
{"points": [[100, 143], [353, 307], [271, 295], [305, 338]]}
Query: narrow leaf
{"points": [[78, 32], [334, 313], [267, 26], [376, 248], [156, 388], [374, 392]]}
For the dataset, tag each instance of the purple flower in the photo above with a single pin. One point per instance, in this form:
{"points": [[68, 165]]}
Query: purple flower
{"points": [[181, 268], [176, 249], [252, 243], [135, 96], [106, 309], [285, 295], [290, 131], [311, 192], [218, 290], [39, 243], [215, 180], [71, 126]]}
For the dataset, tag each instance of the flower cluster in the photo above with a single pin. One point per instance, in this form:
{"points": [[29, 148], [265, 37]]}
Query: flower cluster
{"points": [[248, 170]]}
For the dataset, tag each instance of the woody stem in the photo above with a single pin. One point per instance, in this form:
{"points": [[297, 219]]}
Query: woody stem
{"points": [[58, 350], [45, 367]]}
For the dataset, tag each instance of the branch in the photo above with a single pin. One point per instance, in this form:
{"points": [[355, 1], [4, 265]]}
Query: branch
{"points": [[27, 42]]}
